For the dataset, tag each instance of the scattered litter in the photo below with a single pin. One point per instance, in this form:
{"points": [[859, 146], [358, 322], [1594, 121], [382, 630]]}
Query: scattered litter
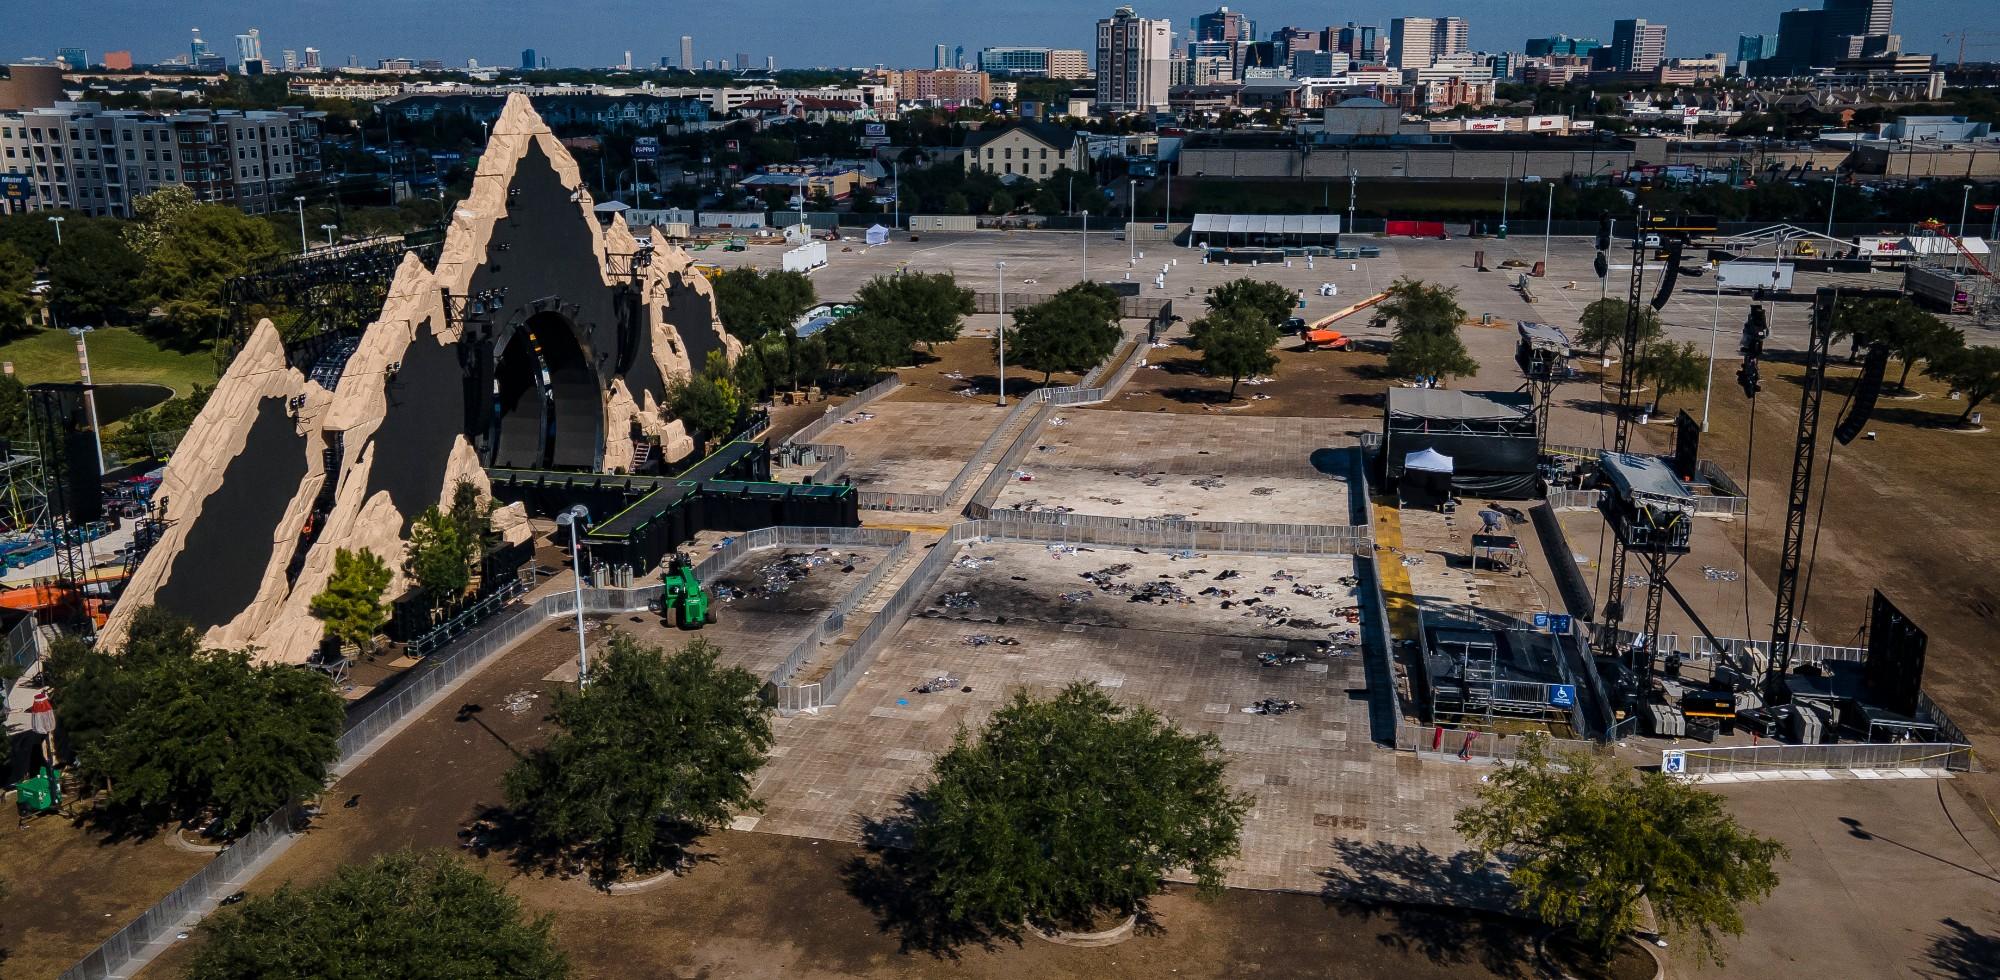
{"points": [[958, 600], [1715, 574], [1258, 380], [1024, 476], [1104, 578], [519, 702], [1279, 659], [1271, 706], [1262, 491], [1260, 397], [981, 639], [1058, 421], [1409, 560], [1081, 595], [858, 417], [973, 563], [1114, 501], [1208, 483], [1152, 481], [955, 375], [1227, 574], [778, 576]]}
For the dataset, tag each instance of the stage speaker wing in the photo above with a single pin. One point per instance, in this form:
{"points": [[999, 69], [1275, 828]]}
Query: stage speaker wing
{"points": [[1866, 390]]}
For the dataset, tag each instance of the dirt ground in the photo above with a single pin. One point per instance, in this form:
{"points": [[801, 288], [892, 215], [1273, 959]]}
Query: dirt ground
{"points": [[68, 889], [966, 370], [1305, 384], [912, 446]]}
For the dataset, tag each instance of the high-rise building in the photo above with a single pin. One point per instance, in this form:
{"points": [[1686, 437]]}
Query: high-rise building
{"points": [[1860, 18], [1840, 30], [708, 64], [1451, 36], [941, 58], [742, 61], [1133, 69], [312, 59], [196, 47], [527, 59], [1635, 46], [1755, 47], [291, 60], [1035, 62], [118, 60], [76, 59], [725, 66], [1562, 45], [1288, 41], [687, 52], [1224, 24], [1411, 41], [249, 47], [770, 62], [1358, 42]]}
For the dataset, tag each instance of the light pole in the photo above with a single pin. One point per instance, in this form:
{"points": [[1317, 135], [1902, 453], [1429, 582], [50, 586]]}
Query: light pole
{"points": [[1832, 199], [574, 518], [89, 396], [304, 246], [1964, 207], [1353, 183], [1001, 268], [1086, 245], [1714, 324], [1131, 218], [1548, 227], [58, 222], [329, 233]]}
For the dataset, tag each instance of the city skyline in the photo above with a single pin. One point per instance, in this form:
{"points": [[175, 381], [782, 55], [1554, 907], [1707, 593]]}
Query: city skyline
{"points": [[434, 29]]}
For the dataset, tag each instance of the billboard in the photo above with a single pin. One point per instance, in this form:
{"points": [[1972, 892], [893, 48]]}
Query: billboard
{"points": [[1583, 125], [1690, 115], [1485, 126], [14, 190], [646, 149], [1546, 124]]}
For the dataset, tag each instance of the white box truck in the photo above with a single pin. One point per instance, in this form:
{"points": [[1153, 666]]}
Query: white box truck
{"points": [[805, 258]]}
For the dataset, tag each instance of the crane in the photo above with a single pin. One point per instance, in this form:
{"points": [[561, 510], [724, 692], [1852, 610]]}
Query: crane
{"points": [[1983, 39]]}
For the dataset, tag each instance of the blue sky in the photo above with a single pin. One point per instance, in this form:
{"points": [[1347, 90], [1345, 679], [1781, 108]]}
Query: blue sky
{"points": [[813, 32]]}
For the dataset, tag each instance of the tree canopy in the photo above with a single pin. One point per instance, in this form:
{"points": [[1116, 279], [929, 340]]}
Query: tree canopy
{"points": [[1271, 302], [1426, 343], [1585, 843], [931, 306], [197, 251], [1070, 331], [1671, 368], [350, 607], [401, 915], [658, 745], [1430, 355], [17, 306], [1602, 326], [1235, 342], [866, 341], [754, 302], [708, 403], [1973, 371], [93, 276], [1911, 333], [182, 733], [1067, 807]]}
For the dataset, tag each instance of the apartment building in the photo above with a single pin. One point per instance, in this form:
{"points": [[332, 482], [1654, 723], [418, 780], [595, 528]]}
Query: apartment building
{"points": [[1134, 67], [79, 156]]}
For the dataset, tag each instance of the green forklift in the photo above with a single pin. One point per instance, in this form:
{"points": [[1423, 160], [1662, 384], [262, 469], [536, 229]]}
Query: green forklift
{"points": [[683, 601]]}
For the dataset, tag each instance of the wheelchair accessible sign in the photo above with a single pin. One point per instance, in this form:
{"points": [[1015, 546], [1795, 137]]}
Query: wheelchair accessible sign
{"points": [[1674, 762]]}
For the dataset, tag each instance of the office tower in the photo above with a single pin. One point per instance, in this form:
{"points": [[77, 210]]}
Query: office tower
{"points": [[76, 58], [290, 59], [249, 47], [312, 59], [527, 59], [627, 63], [742, 61], [770, 62], [1860, 17], [708, 64], [1411, 40], [942, 57], [1755, 47], [1637, 45], [118, 60], [1562, 45], [1355, 41], [1133, 62], [1288, 41], [1450, 36], [1224, 24], [725, 66], [687, 52], [197, 47]]}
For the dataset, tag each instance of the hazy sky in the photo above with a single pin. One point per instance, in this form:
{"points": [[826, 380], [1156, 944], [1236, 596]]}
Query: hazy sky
{"points": [[832, 32]]}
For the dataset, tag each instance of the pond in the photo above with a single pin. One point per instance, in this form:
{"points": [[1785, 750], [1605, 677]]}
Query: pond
{"points": [[119, 401]]}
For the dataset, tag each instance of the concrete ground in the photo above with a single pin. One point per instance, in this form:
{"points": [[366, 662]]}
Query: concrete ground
{"points": [[910, 446], [1127, 464]]}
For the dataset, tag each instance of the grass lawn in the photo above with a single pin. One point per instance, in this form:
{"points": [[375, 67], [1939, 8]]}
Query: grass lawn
{"points": [[117, 354]]}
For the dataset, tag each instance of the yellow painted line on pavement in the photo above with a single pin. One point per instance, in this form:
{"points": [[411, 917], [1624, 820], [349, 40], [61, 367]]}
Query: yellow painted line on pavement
{"points": [[1398, 594]]}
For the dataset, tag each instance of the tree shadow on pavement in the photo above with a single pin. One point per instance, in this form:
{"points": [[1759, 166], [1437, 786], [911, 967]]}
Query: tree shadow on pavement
{"points": [[1445, 908], [1961, 952], [896, 889], [498, 830]]}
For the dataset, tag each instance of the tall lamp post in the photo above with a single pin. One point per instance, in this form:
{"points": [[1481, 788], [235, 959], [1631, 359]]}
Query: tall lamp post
{"points": [[1001, 268], [1086, 245], [1131, 218], [58, 223], [575, 517], [1832, 199], [304, 246], [1548, 227], [329, 229], [89, 395]]}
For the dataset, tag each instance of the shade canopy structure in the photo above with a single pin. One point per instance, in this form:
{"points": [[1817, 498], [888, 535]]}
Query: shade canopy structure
{"points": [[1487, 436], [1266, 229], [878, 235], [1427, 461]]}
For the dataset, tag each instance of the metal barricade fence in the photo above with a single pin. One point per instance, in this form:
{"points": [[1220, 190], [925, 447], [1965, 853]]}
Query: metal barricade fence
{"points": [[1575, 499], [853, 404], [1721, 506], [1469, 745], [1845, 755]]}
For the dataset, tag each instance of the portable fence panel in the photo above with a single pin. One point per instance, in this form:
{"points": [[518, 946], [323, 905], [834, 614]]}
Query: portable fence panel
{"points": [[1845, 755], [853, 404]]}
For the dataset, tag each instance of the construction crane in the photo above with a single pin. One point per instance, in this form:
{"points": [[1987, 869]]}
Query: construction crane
{"points": [[1972, 39]]}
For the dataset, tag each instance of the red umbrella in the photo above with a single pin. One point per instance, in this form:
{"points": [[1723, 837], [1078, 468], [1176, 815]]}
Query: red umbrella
{"points": [[42, 714]]}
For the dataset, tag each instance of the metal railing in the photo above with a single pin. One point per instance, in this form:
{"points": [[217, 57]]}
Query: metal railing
{"points": [[1844, 755], [853, 404], [896, 502], [21, 649], [1469, 745], [1575, 499]]}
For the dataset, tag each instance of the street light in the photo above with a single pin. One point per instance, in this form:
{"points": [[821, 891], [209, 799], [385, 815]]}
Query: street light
{"points": [[89, 395], [1548, 227], [303, 246], [58, 220], [1832, 199], [1001, 267], [329, 229], [1086, 245], [1131, 218], [574, 518]]}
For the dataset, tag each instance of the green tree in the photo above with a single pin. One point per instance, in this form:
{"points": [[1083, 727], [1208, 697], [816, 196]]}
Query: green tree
{"points": [[707, 404], [350, 607], [748, 374], [1430, 355], [1272, 302], [1671, 368], [931, 306], [1070, 331], [153, 214], [155, 431], [99, 687], [14, 421], [401, 915], [1069, 807], [956, 203], [1235, 342], [217, 735], [471, 514], [1415, 306], [656, 746], [199, 251], [1911, 333], [1974, 372], [436, 557], [18, 308], [1585, 843], [754, 303], [92, 276], [1602, 326], [865, 341]]}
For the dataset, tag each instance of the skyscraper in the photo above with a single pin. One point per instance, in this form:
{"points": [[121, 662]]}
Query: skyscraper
{"points": [[312, 59], [1451, 36], [1860, 17], [770, 62], [687, 52], [1755, 47], [249, 47], [942, 58], [1563, 45], [76, 58], [291, 60], [1134, 66], [1224, 24], [528, 59], [1636, 45], [197, 47], [1411, 41], [1358, 42], [742, 61]]}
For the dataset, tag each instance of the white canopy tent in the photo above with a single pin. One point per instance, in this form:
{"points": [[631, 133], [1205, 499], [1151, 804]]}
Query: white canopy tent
{"points": [[878, 235], [1428, 461]]}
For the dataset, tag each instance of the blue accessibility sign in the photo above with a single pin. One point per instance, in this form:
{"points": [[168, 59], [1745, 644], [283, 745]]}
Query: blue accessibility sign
{"points": [[1562, 695], [1553, 622]]}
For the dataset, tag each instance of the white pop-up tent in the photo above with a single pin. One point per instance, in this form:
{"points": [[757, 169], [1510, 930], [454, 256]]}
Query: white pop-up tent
{"points": [[1426, 477], [878, 235]]}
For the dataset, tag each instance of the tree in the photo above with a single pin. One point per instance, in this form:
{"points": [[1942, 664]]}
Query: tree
{"points": [[1236, 342], [709, 405], [92, 276], [1070, 331], [471, 514], [1271, 301], [1430, 355], [154, 431], [14, 421], [216, 735], [754, 303], [17, 305], [1585, 843], [1602, 326], [1415, 306], [658, 745], [98, 687], [1671, 368], [1000, 203], [748, 374], [866, 341], [199, 251], [1068, 807], [436, 557], [956, 203], [931, 306], [1911, 333], [154, 213], [407, 915], [351, 604], [1973, 372]]}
